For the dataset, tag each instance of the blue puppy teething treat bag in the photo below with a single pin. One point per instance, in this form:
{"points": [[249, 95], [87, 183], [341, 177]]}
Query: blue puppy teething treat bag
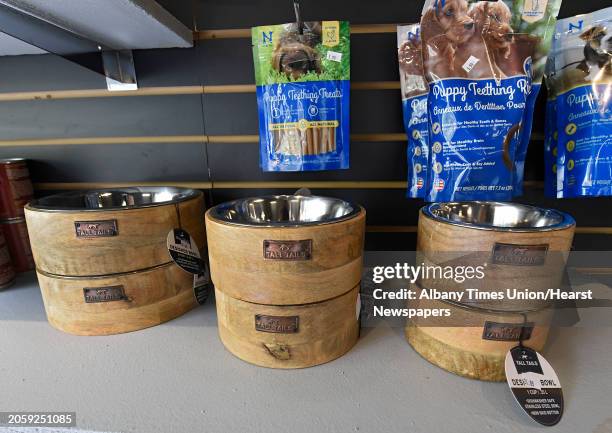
{"points": [[480, 72], [582, 79], [414, 101], [303, 90]]}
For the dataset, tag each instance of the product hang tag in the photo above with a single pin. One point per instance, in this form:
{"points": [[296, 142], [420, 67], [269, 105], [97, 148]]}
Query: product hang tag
{"points": [[201, 286], [535, 385], [184, 251]]}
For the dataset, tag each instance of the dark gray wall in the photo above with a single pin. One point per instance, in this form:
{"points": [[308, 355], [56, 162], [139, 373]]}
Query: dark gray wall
{"points": [[229, 61]]}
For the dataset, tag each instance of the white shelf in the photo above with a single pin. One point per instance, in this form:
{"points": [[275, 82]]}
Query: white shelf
{"points": [[177, 377]]}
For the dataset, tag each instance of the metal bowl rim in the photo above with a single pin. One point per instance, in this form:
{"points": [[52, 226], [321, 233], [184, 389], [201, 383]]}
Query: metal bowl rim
{"points": [[566, 222], [187, 194], [214, 213], [12, 160]]}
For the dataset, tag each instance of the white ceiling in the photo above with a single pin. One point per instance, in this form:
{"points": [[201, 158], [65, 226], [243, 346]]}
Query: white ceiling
{"points": [[118, 24]]}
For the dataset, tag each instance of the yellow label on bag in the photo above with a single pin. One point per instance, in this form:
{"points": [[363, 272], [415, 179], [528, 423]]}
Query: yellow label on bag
{"points": [[303, 125], [331, 33]]}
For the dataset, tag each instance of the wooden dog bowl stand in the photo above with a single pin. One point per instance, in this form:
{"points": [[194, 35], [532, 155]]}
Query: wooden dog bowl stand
{"points": [[102, 260], [286, 291]]}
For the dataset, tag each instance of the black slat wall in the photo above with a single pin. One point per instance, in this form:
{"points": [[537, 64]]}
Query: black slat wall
{"points": [[161, 139]]}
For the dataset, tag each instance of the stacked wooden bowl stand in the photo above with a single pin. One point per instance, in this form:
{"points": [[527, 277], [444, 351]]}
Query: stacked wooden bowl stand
{"points": [[286, 278], [521, 247], [102, 260]]}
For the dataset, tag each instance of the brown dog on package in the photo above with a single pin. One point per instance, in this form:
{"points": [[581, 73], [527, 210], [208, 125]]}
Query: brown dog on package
{"points": [[480, 56], [445, 26], [294, 54]]}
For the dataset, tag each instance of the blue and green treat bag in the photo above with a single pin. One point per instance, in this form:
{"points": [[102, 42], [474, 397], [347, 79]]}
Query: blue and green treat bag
{"points": [[414, 102], [303, 95]]}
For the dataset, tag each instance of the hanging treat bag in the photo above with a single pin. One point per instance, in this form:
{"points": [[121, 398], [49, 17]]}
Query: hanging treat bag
{"points": [[533, 22], [583, 77], [480, 74], [551, 135], [414, 100], [302, 74]]}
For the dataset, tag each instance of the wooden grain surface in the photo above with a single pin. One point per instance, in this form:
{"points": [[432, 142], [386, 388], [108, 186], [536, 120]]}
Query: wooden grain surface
{"points": [[326, 331], [436, 236], [153, 296], [239, 269], [139, 244], [461, 349], [443, 244]]}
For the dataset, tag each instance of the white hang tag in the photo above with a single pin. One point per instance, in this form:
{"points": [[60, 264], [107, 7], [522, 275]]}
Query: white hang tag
{"points": [[535, 385]]}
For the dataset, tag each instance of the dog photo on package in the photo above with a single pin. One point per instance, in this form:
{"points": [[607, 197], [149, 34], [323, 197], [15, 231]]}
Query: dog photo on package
{"points": [[482, 59], [302, 73]]}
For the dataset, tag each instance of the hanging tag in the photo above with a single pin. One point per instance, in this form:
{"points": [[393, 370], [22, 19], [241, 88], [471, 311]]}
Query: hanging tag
{"points": [[201, 286], [535, 385], [184, 251]]}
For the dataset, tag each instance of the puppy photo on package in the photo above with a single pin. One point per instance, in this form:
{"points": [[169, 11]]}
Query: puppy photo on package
{"points": [[481, 59], [302, 75]]}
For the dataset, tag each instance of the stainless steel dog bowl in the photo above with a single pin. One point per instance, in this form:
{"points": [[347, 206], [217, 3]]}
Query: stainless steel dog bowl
{"points": [[285, 211], [512, 217], [113, 199]]}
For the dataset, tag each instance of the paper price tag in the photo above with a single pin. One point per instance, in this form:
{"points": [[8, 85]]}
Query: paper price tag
{"points": [[470, 63], [334, 56]]}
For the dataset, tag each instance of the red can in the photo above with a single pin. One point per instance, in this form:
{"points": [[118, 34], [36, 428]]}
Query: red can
{"points": [[15, 187], [16, 234], [7, 272]]}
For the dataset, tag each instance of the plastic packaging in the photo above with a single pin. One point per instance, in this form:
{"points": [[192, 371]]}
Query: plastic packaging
{"points": [[540, 30], [302, 74], [414, 101], [480, 71], [551, 135], [582, 80]]}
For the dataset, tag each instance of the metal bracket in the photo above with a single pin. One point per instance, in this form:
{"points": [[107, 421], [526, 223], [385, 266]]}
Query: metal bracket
{"points": [[117, 66], [119, 70]]}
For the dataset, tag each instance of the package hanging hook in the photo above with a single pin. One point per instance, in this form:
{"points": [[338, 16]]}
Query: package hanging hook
{"points": [[302, 73], [298, 17]]}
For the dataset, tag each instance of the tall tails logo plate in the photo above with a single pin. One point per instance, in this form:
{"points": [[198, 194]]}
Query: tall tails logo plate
{"points": [[277, 324], [507, 331], [96, 229], [287, 250], [94, 295], [519, 255]]}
